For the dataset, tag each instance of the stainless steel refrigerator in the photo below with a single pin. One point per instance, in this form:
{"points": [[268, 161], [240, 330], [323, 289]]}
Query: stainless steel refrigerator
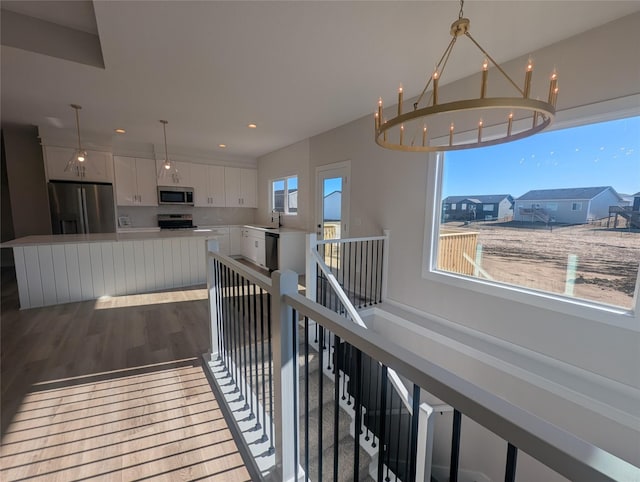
{"points": [[81, 208]]}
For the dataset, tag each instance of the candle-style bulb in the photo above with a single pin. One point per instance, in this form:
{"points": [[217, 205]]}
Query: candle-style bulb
{"points": [[527, 78], [380, 111], [480, 131], [400, 100], [510, 124], [483, 87], [424, 135], [436, 76], [485, 64], [451, 127], [401, 133]]}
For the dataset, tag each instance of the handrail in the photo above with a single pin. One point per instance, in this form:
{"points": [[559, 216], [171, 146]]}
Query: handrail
{"points": [[558, 449], [355, 317], [350, 240], [248, 273]]}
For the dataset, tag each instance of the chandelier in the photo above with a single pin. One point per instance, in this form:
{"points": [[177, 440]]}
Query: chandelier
{"points": [[482, 121], [79, 156], [168, 170]]}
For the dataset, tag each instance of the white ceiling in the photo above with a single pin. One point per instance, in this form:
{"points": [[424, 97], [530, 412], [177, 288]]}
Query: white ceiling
{"points": [[296, 69]]}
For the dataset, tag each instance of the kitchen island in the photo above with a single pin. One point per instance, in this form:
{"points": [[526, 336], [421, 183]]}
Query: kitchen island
{"points": [[63, 268]]}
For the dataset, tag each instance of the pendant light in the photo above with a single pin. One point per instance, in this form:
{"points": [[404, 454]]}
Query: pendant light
{"points": [[168, 170], [77, 162]]}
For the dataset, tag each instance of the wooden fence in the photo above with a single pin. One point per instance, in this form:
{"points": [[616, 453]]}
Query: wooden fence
{"points": [[451, 249]]}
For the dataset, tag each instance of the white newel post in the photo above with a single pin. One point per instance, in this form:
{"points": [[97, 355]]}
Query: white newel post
{"points": [[212, 246], [425, 443], [285, 380], [311, 266], [385, 263]]}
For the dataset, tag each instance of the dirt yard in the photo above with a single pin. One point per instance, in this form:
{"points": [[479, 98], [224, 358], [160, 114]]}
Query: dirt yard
{"points": [[607, 260]]}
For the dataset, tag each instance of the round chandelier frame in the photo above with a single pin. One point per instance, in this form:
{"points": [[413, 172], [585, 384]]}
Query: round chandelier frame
{"points": [[533, 115]]}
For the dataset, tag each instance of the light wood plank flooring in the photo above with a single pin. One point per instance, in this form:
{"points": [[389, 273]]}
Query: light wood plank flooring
{"points": [[111, 390]]}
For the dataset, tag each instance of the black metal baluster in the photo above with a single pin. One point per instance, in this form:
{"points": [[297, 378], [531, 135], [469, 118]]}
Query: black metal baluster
{"points": [[413, 450], [345, 370], [320, 377], [381, 273], [368, 399], [264, 391], [306, 397], [376, 407], [329, 357], [349, 281], [247, 297], [270, 363], [227, 315], [389, 437], [255, 351], [366, 270], [336, 406], [382, 415], [239, 325], [232, 325], [358, 421], [375, 284], [512, 458], [245, 342], [360, 284], [455, 446]]}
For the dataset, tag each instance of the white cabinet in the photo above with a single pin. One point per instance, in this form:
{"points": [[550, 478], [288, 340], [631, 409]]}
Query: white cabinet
{"points": [[97, 168], [253, 247], [241, 187], [183, 178], [135, 181], [208, 185], [235, 241]]}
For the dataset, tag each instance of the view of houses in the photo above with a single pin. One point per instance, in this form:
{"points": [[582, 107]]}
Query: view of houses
{"points": [[558, 206]]}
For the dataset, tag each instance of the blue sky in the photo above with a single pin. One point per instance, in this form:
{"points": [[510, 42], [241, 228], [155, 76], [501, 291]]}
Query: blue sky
{"points": [[603, 154]]}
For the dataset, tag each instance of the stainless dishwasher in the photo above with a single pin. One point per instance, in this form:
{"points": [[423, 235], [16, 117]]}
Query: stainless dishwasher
{"points": [[271, 250]]}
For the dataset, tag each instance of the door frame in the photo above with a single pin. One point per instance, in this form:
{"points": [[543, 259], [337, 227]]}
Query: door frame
{"points": [[342, 169]]}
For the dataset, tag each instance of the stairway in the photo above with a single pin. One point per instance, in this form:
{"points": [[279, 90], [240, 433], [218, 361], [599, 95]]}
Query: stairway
{"points": [[327, 412]]}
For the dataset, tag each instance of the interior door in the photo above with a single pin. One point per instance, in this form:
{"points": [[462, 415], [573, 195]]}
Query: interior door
{"points": [[332, 201]]}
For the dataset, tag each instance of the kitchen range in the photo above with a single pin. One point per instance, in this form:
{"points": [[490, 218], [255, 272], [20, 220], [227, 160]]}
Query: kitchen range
{"points": [[175, 221]]}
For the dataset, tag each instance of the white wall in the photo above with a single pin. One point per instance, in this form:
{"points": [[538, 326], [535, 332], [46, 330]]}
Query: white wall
{"points": [[389, 190], [290, 161]]}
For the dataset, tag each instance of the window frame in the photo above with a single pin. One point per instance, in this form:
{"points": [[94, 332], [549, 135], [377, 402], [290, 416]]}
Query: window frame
{"points": [[591, 310], [284, 179]]}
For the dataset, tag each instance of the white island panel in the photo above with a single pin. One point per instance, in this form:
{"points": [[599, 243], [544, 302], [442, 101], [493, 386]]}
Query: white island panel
{"points": [[119, 271], [60, 273], [36, 297], [158, 258], [86, 278], [73, 272], [21, 276], [129, 267], [149, 265], [140, 272], [97, 270], [108, 269], [169, 275], [47, 276]]}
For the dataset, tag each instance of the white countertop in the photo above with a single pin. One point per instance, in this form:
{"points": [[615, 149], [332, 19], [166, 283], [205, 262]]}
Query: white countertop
{"points": [[132, 235]]}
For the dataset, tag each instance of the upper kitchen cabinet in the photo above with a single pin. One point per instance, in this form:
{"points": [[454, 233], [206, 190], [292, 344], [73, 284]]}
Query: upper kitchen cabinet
{"points": [[97, 168], [184, 178], [208, 185], [135, 181], [241, 187]]}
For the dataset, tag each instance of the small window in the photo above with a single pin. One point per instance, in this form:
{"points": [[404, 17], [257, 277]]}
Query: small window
{"points": [[464, 207], [453, 206], [552, 206], [488, 207], [576, 206], [284, 195]]}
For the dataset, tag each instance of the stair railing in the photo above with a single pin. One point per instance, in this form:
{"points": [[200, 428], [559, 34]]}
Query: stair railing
{"points": [[317, 269]]}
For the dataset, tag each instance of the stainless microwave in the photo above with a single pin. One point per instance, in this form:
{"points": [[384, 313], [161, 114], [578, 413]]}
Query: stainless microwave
{"points": [[175, 195]]}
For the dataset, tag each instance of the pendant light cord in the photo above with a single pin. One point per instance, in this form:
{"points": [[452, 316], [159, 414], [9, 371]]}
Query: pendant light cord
{"points": [[166, 152]]}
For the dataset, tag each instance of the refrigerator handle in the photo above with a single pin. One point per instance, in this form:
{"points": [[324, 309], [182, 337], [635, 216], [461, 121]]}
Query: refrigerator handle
{"points": [[81, 210], [84, 211]]}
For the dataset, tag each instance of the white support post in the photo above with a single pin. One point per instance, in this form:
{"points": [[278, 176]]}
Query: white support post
{"points": [[425, 443], [385, 263], [312, 269], [285, 380], [212, 246]]}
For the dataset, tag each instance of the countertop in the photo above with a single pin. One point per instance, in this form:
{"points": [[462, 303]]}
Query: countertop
{"points": [[202, 231]]}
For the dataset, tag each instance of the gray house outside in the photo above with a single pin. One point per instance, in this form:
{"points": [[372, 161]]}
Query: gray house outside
{"points": [[477, 208], [566, 206]]}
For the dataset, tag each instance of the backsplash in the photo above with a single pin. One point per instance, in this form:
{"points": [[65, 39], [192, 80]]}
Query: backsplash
{"points": [[142, 216]]}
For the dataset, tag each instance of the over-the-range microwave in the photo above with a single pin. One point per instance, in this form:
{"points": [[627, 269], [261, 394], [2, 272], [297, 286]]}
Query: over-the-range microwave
{"points": [[175, 195]]}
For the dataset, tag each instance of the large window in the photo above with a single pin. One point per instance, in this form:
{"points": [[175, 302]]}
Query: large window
{"points": [[284, 195], [573, 228]]}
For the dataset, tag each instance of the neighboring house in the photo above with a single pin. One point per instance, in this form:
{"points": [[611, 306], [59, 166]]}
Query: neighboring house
{"points": [[566, 206], [332, 206], [477, 208]]}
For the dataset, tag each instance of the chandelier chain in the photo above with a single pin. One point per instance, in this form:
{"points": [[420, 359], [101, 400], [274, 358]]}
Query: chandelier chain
{"points": [[460, 14]]}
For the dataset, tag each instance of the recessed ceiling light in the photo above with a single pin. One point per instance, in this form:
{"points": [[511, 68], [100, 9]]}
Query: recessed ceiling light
{"points": [[222, 146], [251, 126], [120, 131]]}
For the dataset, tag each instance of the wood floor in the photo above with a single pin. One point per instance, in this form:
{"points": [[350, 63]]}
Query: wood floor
{"points": [[111, 390]]}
